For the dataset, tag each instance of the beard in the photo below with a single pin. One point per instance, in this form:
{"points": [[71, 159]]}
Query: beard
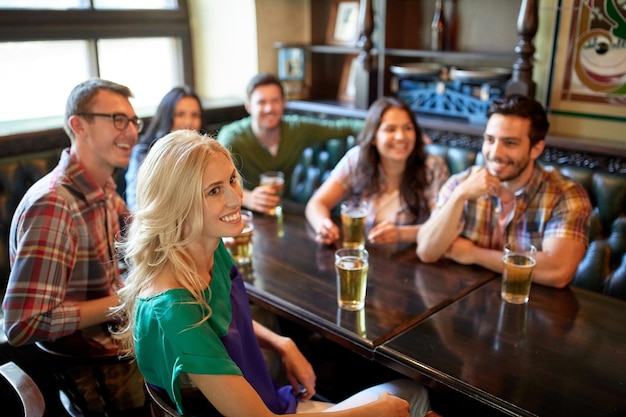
{"points": [[517, 168]]}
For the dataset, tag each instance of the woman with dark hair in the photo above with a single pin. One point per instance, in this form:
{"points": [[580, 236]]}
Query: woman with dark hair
{"points": [[179, 109], [391, 169]]}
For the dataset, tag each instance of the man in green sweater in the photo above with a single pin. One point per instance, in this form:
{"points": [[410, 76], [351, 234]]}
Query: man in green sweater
{"points": [[267, 140]]}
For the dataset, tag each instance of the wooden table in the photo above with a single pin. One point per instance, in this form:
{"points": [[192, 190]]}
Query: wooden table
{"points": [[562, 354], [294, 276]]}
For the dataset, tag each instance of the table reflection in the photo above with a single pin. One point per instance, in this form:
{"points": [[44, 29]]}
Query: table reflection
{"points": [[563, 353], [503, 331], [354, 320], [294, 276], [512, 325]]}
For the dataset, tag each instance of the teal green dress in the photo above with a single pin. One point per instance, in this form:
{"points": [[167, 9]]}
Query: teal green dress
{"points": [[169, 344]]}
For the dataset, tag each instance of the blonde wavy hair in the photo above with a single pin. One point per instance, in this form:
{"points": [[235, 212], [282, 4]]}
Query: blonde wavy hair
{"points": [[168, 218]]}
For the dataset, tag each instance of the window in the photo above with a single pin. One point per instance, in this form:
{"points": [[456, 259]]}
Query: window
{"points": [[149, 66], [45, 53]]}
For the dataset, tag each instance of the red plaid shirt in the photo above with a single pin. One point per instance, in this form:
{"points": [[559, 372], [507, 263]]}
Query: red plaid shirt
{"points": [[61, 248]]}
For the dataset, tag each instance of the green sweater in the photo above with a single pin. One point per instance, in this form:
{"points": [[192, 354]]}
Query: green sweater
{"points": [[297, 133]]}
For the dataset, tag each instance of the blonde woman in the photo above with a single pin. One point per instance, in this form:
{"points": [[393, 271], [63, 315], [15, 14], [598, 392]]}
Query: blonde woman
{"points": [[189, 323]]}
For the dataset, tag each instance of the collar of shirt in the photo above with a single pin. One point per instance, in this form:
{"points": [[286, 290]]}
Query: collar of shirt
{"points": [[77, 176]]}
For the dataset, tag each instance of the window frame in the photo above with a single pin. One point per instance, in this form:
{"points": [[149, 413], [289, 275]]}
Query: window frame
{"points": [[94, 24]]}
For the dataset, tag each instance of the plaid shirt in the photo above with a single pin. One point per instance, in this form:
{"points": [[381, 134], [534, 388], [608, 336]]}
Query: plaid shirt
{"points": [[550, 206], [61, 248]]}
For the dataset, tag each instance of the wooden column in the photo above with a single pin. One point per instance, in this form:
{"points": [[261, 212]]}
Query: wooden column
{"points": [[365, 77], [522, 78]]}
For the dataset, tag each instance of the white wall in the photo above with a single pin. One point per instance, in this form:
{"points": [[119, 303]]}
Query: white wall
{"points": [[233, 40], [224, 36], [285, 21]]}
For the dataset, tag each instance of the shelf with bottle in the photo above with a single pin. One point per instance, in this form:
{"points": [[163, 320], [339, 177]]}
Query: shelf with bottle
{"points": [[397, 32], [438, 28], [446, 32], [466, 26]]}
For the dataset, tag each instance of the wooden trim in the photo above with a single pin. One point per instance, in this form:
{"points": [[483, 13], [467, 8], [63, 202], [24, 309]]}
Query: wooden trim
{"points": [[80, 24], [33, 142]]}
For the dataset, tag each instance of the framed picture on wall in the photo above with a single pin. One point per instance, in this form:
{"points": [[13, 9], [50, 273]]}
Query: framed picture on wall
{"points": [[347, 84], [589, 73], [343, 27], [291, 63]]}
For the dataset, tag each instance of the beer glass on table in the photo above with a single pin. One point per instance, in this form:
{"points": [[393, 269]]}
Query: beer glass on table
{"points": [[353, 220], [518, 264], [351, 265]]}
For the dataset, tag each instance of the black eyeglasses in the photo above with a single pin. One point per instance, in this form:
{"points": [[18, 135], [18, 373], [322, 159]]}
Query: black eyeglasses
{"points": [[120, 121]]}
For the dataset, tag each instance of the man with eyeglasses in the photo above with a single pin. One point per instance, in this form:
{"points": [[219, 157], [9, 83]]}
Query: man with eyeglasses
{"points": [[64, 269]]}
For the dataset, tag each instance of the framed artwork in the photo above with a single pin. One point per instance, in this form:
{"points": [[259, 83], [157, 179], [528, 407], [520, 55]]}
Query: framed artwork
{"points": [[343, 27], [291, 63], [347, 84], [589, 64]]}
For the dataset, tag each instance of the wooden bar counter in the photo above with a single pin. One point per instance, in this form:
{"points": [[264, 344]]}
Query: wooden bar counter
{"points": [[562, 354], [294, 276]]}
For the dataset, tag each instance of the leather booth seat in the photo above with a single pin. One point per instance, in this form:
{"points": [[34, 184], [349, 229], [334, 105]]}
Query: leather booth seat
{"points": [[603, 268], [315, 165], [17, 174]]}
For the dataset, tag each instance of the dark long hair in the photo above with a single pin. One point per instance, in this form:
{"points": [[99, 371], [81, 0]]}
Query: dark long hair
{"points": [[368, 178], [161, 123]]}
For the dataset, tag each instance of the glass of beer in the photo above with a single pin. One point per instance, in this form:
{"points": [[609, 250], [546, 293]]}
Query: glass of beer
{"points": [[276, 181], [241, 250], [351, 265], [353, 218], [518, 262]]}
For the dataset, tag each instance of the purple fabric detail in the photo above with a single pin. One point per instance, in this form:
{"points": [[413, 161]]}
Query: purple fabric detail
{"points": [[243, 348]]}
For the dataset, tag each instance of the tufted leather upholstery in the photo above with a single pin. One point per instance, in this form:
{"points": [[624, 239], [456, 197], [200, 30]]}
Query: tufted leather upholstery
{"points": [[315, 165], [17, 174], [603, 269]]}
